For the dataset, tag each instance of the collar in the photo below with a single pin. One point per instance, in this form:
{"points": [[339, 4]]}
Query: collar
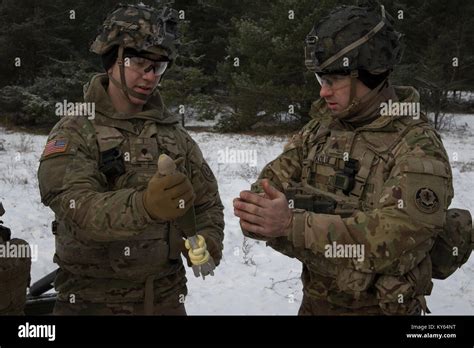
{"points": [[96, 91]]}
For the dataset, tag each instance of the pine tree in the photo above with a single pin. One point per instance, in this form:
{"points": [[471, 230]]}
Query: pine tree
{"points": [[265, 73]]}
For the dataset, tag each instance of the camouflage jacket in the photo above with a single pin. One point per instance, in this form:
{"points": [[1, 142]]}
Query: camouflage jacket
{"points": [[93, 173], [392, 213]]}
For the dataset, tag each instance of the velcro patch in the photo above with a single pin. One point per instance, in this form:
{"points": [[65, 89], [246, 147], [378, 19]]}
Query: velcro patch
{"points": [[55, 146], [207, 173], [426, 200]]}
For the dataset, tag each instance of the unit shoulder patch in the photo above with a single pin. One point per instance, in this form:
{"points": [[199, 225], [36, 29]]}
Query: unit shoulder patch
{"points": [[426, 200], [207, 172]]}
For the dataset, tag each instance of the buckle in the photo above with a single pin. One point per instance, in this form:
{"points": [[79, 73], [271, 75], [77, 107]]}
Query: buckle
{"points": [[341, 181]]}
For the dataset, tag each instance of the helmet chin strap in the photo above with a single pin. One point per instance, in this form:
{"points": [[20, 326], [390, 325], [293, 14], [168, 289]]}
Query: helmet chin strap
{"points": [[353, 101], [123, 84]]}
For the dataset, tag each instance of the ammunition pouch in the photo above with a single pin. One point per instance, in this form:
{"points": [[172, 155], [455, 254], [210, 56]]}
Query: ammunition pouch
{"points": [[112, 164], [311, 199], [454, 243], [345, 179], [311, 202]]}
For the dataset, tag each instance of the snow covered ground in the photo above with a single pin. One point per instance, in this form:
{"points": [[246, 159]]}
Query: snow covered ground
{"points": [[252, 278]]}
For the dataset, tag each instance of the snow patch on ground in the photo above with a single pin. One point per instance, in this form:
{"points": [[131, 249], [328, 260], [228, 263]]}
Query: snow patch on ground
{"points": [[252, 278]]}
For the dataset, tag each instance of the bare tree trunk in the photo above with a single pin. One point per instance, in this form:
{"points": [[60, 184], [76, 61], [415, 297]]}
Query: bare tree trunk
{"points": [[437, 108]]}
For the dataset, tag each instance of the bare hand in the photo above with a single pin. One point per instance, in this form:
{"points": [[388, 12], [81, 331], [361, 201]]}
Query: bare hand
{"points": [[267, 215]]}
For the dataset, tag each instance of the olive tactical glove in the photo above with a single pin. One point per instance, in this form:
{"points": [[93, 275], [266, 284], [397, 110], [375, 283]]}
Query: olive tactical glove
{"points": [[168, 197]]}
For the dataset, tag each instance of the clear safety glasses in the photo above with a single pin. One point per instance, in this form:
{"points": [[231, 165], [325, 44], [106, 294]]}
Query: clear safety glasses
{"points": [[333, 81], [143, 65]]}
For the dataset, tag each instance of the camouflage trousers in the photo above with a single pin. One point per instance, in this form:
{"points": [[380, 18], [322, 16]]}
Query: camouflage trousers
{"points": [[169, 305], [65, 308], [313, 306]]}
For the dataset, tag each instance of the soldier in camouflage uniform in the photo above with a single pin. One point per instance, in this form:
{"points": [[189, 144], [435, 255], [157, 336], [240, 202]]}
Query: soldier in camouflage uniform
{"points": [[14, 272], [357, 180], [117, 230]]}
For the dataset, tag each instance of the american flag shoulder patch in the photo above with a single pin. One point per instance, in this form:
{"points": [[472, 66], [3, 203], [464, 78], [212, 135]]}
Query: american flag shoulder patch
{"points": [[55, 146]]}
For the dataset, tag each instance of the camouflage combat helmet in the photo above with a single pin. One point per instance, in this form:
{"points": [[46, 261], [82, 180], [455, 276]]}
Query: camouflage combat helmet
{"points": [[352, 38], [354, 41], [141, 28]]}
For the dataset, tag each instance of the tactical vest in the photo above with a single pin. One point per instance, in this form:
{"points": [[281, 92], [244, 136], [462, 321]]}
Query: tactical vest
{"points": [[344, 170], [347, 168], [127, 161]]}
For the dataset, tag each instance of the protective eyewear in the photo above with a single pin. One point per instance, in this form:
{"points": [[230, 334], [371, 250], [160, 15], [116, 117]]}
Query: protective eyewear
{"points": [[332, 81], [143, 65]]}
